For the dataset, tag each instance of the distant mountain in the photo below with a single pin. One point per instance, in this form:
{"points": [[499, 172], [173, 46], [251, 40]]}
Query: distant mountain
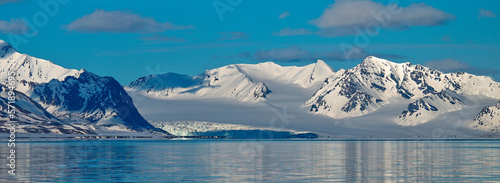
{"points": [[71, 95], [488, 119], [241, 82], [372, 84], [226, 82], [378, 91]]}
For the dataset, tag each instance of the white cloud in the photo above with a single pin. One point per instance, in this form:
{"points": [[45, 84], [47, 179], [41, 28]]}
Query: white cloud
{"points": [[8, 1], [342, 17], [16, 26], [486, 14], [293, 32], [118, 21], [284, 15]]}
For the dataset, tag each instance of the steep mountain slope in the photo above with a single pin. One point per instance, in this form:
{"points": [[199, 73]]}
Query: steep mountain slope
{"points": [[32, 118], [372, 84], [29, 69], [428, 107], [72, 95], [100, 100], [242, 82], [488, 119]]}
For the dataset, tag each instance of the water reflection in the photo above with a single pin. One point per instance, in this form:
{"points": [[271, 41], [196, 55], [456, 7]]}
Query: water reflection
{"points": [[256, 161]]}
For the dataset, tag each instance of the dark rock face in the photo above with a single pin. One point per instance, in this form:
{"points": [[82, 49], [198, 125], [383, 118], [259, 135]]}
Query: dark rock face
{"points": [[416, 106], [33, 117], [261, 91], [488, 119], [91, 97], [424, 104], [166, 81]]}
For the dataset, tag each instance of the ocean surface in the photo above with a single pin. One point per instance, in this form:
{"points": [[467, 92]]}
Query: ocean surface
{"points": [[254, 161]]}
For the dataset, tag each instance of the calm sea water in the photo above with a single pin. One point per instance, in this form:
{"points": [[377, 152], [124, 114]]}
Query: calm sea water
{"points": [[255, 161]]}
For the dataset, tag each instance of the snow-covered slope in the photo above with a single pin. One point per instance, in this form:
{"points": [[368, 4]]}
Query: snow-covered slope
{"points": [[29, 69], [242, 82], [305, 76], [369, 86], [71, 95], [226, 82], [488, 119], [32, 118]]}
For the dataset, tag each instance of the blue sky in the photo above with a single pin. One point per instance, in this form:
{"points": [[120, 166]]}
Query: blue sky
{"points": [[127, 40]]}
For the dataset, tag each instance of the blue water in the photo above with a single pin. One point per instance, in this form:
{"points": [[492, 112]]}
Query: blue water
{"points": [[255, 161]]}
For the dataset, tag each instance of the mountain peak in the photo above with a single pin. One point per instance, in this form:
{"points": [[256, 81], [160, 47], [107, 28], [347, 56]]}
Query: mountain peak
{"points": [[373, 59], [322, 64], [5, 48], [4, 44]]}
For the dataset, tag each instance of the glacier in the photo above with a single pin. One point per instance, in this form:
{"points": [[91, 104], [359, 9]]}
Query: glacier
{"points": [[231, 131]]}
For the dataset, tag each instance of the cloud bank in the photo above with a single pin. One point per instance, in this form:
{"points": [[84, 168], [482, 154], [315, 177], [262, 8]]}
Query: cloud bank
{"points": [[297, 54], [452, 65], [345, 17], [16, 26], [119, 22]]}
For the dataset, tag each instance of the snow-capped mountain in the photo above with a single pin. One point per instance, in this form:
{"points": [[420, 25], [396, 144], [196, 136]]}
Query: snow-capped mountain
{"points": [[225, 82], [421, 92], [100, 100], [372, 84], [488, 119], [32, 118], [242, 82], [72, 95], [369, 99]]}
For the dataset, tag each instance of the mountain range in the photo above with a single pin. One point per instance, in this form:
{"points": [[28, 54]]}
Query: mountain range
{"points": [[377, 98], [421, 94]]}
